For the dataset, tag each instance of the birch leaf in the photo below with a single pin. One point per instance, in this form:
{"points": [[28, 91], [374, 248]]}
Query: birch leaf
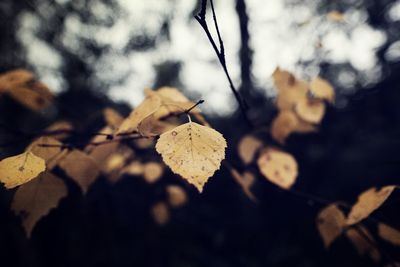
{"points": [[248, 147], [278, 167], [330, 223], [34, 200], [322, 89], [176, 196], [310, 110], [364, 242], [51, 155], [20, 169], [389, 234], [193, 151], [368, 202]]}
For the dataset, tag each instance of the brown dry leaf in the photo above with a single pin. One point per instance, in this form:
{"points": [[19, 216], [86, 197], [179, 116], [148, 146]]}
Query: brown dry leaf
{"points": [[135, 168], [389, 234], [34, 200], [248, 148], [152, 171], [279, 167], [330, 223], [335, 16], [286, 123], [112, 118], [20, 169], [81, 168], [193, 151], [34, 95], [52, 155], [283, 79], [151, 126], [246, 181], [322, 89], [13, 79], [62, 128], [310, 110], [368, 202], [149, 105], [363, 242], [288, 98], [160, 213], [176, 196]]}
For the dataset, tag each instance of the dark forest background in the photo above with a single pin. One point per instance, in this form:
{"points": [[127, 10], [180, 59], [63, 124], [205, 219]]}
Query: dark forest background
{"points": [[356, 148]]}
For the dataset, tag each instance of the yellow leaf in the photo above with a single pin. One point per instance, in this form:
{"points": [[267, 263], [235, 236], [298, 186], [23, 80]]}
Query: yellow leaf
{"points": [[193, 151], [150, 105], [34, 200], [278, 167], [363, 242], [389, 234], [283, 79], [368, 202], [81, 168], [330, 223], [322, 89], [20, 169], [112, 118], [63, 127], [286, 123], [248, 147], [152, 172], [160, 213], [310, 110], [176, 196]]}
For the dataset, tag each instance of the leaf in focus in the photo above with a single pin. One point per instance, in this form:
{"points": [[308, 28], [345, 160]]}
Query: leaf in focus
{"points": [[149, 105], [330, 223], [176, 196], [51, 155], [248, 147], [368, 202], [246, 181], [310, 110], [322, 89], [389, 234], [193, 151], [363, 241], [81, 168], [152, 172], [160, 213], [34, 200], [279, 167], [286, 123], [20, 169]]}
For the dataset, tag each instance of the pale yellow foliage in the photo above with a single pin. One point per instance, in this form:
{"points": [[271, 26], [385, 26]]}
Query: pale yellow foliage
{"points": [[193, 151], [389, 234], [134, 168], [310, 110], [152, 171], [368, 202], [51, 154], [34, 200], [248, 147], [330, 223], [20, 169], [322, 89], [160, 213], [279, 167], [176, 196], [112, 118]]}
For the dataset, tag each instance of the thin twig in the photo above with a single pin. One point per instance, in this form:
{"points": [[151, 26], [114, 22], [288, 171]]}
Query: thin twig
{"points": [[201, 19]]}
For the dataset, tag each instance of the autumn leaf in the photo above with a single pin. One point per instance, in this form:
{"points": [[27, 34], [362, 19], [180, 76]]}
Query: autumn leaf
{"points": [[248, 147], [193, 151], [160, 213], [330, 223], [364, 242], [34, 200], [133, 168], [335, 16], [322, 89], [20, 169], [279, 167], [152, 171], [61, 129], [112, 118], [389, 234], [81, 168], [310, 110], [176, 196], [368, 202], [246, 181], [52, 153]]}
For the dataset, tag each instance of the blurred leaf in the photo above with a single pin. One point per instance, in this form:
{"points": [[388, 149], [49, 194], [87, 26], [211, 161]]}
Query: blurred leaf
{"points": [[330, 223], [389, 234]]}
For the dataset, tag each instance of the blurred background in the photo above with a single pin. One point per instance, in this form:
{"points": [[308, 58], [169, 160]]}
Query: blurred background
{"points": [[97, 53]]}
